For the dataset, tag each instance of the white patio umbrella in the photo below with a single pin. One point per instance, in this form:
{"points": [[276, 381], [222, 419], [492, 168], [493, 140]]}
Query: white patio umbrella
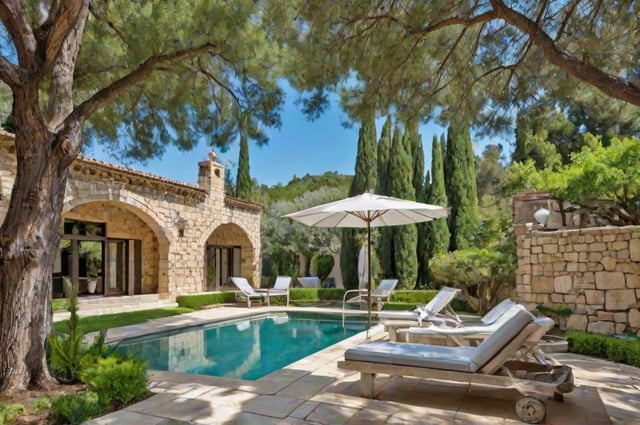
{"points": [[366, 211]]}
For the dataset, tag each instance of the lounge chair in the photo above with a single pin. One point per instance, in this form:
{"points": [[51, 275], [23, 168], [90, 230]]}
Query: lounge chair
{"points": [[379, 295], [474, 334], [486, 364], [249, 292], [394, 320], [463, 335], [309, 282], [280, 287]]}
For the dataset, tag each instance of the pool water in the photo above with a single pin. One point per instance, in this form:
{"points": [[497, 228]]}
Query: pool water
{"points": [[247, 349]]}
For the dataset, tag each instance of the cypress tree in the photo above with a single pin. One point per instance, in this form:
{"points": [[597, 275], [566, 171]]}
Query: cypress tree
{"points": [[460, 183], [417, 156], [437, 230], [405, 238], [243, 179], [367, 159], [385, 240], [364, 180], [422, 252]]}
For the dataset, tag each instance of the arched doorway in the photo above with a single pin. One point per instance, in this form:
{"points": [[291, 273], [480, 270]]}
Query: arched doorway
{"points": [[229, 252], [106, 249]]}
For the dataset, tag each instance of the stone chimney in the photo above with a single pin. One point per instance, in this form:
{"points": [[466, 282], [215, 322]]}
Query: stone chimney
{"points": [[211, 175]]}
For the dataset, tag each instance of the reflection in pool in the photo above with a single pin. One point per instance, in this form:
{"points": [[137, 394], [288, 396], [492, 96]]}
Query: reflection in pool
{"points": [[247, 349]]}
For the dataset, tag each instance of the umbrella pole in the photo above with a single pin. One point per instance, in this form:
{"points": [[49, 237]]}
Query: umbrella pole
{"points": [[368, 277]]}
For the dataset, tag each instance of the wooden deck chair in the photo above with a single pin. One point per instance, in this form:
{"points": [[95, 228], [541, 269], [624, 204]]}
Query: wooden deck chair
{"points": [[487, 364]]}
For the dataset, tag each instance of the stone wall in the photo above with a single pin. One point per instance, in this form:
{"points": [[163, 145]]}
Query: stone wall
{"points": [[593, 271]]}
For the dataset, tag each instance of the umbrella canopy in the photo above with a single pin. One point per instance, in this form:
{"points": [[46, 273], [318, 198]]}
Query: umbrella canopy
{"points": [[366, 211]]}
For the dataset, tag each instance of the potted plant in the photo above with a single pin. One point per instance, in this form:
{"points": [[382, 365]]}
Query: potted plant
{"points": [[94, 262]]}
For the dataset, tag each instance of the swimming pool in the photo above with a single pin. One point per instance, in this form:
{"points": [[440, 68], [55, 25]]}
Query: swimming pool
{"points": [[248, 348]]}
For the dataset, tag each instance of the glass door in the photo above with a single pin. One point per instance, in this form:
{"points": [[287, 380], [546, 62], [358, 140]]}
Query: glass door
{"points": [[118, 270]]}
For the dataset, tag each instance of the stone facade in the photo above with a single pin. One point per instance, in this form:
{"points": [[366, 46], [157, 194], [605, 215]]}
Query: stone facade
{"points": [[593, 271], [173, 222]]}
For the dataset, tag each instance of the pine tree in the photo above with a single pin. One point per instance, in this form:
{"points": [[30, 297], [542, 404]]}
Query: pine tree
{"points": [[405, 238], [244, 184], [460, 183], [385, 239], [437, 230], [364, 180]]}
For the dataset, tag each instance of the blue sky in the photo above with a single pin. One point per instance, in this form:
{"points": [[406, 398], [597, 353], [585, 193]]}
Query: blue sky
{"points": [[300, 147]]}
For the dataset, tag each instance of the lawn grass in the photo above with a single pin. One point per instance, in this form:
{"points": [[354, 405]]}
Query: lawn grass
{"points": [[107, 321], [59, 304]]}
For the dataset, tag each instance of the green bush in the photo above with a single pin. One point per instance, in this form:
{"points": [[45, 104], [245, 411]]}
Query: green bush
{"points": [[118, 381], [75, 408], [625, 350], [10, 412], [315, 294], [330, 293], [199, 301], [65, 351], [324, 265]]}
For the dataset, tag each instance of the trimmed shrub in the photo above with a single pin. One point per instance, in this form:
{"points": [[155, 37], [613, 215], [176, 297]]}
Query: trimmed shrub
{"points": [[118, 381], [199, 301], [330, 293], [324, 265], [315, 294], [75, 408], [625, 350]]}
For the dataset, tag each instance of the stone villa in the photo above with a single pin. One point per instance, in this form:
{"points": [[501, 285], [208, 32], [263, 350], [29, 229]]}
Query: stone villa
{"points": [[127, 232]]}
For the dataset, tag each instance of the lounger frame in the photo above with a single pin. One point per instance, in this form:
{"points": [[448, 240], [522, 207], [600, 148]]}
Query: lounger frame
{"points": [[496, 372]]}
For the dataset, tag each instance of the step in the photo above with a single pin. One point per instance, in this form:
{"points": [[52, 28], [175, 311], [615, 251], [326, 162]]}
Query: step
{"points": [[95, 309]]}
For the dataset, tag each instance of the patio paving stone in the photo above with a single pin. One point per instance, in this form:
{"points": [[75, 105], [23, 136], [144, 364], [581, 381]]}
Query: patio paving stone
{"points": [[315, 391]]}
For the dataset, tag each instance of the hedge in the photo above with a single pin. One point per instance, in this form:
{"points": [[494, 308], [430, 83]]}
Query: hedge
{"points": [[199, 301], [400, 300], [624, 350]]}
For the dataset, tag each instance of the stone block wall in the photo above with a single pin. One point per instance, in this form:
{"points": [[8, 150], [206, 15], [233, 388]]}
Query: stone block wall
{"points": [[593, 271]]}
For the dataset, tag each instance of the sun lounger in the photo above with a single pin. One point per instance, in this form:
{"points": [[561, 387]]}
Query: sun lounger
{"points": [[394, 320], [487, 364], [379, 295], [398, 330], [475, 334], [463, 335], [280, 287], [249, 292]]}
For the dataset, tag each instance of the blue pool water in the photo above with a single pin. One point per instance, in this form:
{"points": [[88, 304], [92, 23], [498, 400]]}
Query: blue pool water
{"points": [[248, 349]]}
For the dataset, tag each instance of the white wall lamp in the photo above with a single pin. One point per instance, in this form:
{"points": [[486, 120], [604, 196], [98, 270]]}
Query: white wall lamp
{"points": [[542, 216]]}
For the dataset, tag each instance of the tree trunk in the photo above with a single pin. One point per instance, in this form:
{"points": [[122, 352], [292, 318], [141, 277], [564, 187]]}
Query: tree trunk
{"points": [[29, 239]]}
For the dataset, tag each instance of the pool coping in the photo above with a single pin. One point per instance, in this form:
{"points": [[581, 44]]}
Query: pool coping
{"points": [[315, 390]]}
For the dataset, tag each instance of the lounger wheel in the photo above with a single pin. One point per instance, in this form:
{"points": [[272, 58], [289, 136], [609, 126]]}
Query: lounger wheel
{"points": [[530, 410]]}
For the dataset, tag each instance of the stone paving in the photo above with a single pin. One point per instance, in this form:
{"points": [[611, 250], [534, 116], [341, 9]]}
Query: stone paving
{"points": [[314, 391]]}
